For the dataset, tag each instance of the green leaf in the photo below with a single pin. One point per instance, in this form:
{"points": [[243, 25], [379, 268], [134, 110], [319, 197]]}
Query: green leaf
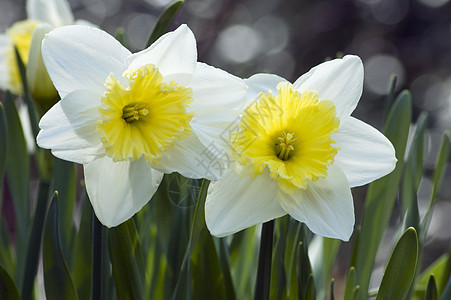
{"points": [[6, 249], [332, 289], [382, 193], [3, 144], [291, 240], [207, 277], [322, 253], [64, 181], [400, 271], [413, 172], [8, 289], [391, 94], [224, 259], [26, 95], [278, 278], [201, 266], [242, 259], [163, 22], [350, 285], [431, 291], [57, 279], [127, 261], [82, 254], [304, 269], [34, 243], [446, 295], [439, 172], [18, 177], [120, 36], [441, 270]]}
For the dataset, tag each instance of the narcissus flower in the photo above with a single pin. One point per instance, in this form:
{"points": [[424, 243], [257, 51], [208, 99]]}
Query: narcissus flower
{"points": [[130, 117], [26, 36], [298, 151]]}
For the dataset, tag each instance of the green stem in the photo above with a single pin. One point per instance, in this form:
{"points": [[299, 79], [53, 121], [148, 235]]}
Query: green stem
{"points": [[97, 258], [263, 283]]}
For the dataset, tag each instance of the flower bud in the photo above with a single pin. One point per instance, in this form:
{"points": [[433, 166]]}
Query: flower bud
{"points": [[39, 83]]}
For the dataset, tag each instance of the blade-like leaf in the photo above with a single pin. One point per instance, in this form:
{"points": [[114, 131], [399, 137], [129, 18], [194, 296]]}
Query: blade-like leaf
{"points": [[322, 254], [82, 254], [207, 277], [431, 291], [8, 289], [57, 279], [64, 181], [3, 144], [18, 178], [400, 271], [127, 261], [243, 259], [26, 95], [382, 193], [391, 94], [163, 22], [442, 159], [224, 259], [34, 243], [350, 285]]}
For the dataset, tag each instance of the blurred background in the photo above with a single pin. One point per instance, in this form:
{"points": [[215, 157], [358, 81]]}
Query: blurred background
{"points": [[407, 38]]}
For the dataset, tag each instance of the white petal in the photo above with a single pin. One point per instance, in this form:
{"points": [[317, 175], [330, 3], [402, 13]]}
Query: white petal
{"points": [[213, 86], [365, 154], [213, 126], [192, 159], [235, 203], [26, 127], [263, 83], [69, 128], [118, 190], [55, 12], [339, 80], [5, 46], [174, 52], [82, 57], [218, 99], [326, 206]]}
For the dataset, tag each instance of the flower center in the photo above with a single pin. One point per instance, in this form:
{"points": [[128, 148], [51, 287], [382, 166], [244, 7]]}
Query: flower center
{"points": [[285, 145], [145, 118], [289, 133], [131, 113], [20, 34]]}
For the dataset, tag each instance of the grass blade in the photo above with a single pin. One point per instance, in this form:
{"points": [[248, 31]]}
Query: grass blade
{"points": [[400, 271], [57, 279]]}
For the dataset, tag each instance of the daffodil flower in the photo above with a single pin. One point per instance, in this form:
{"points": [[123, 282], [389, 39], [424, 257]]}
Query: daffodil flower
{"points": [[298, 151], [129, 118], [26, 36]]}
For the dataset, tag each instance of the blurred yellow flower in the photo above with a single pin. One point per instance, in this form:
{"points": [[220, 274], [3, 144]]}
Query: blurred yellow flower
{"points": [[27, 36]]}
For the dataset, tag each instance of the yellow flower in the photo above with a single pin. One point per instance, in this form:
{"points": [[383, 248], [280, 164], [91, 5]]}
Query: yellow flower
{"points": [[27, 36]]}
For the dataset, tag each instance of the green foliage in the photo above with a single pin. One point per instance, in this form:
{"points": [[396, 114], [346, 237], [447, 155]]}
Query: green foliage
{"points": [[127, 261], [400, 271], [58, 281], [382, 193], [166, 251], [8, 289], [164, 21]]}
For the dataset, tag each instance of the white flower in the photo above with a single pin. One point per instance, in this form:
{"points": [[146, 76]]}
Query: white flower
{"points": [[129, 117], [26, 35], [298, 151]]}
